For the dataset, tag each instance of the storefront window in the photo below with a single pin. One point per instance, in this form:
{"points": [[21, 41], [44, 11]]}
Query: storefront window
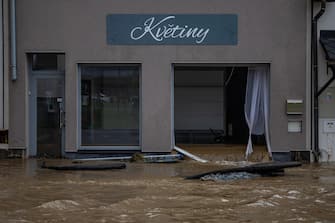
{"points": [[109, 105]]}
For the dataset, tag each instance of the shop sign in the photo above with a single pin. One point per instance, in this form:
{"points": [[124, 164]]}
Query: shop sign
{"points": [[179, 29]]}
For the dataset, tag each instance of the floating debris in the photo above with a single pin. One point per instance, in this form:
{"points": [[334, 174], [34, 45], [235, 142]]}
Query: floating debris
{"points": [[60, 205], [233, 163], [192, 156], [320, 201], [264, 169], [84, 166], [277, 196], [262, 203], [137, 157], [229, 176]]}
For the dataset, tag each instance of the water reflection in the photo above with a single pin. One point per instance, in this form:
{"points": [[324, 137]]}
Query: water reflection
{"points": [[158, 193]]}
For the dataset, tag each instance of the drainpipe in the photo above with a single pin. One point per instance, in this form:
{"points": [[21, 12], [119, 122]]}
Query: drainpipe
{"points": [[13, 39], [316, 151]]}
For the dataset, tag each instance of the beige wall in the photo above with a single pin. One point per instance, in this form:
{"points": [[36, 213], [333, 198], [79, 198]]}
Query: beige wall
{"points": [[270, 31], [4, 65]]}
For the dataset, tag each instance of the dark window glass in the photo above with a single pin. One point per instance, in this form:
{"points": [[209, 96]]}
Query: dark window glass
{"points": [[109, 105], [47, 61]]}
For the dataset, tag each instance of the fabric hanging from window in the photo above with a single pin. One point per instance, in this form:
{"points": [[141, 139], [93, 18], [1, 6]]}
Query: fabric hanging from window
{"points": [[256, 107]]}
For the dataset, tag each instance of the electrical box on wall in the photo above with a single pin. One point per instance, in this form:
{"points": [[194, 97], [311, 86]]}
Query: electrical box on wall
{"points": [[294, 126], [329, 126], [294, 107]]}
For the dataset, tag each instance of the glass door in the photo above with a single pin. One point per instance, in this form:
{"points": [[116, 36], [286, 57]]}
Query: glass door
{"points": [[49, 115], [46, 104]]}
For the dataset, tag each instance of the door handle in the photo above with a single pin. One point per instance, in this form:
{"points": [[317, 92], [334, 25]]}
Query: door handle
{"points": [[61, 118], [61, 113]]}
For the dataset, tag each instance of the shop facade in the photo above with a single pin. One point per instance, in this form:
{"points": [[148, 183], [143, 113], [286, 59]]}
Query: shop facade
{"points": [[100, 76]]}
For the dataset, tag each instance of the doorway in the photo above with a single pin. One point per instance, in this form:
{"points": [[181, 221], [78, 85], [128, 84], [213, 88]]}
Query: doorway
{"points": [[47, 111], [209, 105], [209, 114]]}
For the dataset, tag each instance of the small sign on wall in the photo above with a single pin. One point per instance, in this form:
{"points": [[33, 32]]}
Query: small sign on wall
{"points": [[170, 29], [294, 126], [329, 126]]}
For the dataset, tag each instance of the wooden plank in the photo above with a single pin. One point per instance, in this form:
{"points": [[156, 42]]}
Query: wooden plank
{"points": [[82, 166]]}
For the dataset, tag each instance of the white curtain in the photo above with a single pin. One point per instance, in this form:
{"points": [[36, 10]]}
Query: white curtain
{"points": [[256, 105]]}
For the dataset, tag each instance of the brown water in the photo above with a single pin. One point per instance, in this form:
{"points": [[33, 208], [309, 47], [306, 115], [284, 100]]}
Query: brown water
{"points": [[158, 193]]}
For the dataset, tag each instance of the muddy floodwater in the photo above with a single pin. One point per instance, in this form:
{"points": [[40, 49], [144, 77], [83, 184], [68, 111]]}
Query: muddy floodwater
{"points": [[159, 193]]}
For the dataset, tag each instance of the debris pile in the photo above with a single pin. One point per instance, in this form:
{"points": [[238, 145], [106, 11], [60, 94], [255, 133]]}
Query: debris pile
{"points": [[229, 176]]}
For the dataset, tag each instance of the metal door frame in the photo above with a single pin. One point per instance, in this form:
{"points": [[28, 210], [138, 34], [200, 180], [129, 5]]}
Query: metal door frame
{"points": [[33, 77]]}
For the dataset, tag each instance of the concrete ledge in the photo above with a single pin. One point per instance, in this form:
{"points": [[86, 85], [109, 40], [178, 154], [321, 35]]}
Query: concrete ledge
{"points": [[3, 146], [3, 154], [12, 153], [301, 156], [281, 156]]}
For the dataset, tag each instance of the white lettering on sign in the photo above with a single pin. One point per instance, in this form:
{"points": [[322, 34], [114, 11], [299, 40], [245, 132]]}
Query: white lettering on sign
{"points": [[163, 29]]}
